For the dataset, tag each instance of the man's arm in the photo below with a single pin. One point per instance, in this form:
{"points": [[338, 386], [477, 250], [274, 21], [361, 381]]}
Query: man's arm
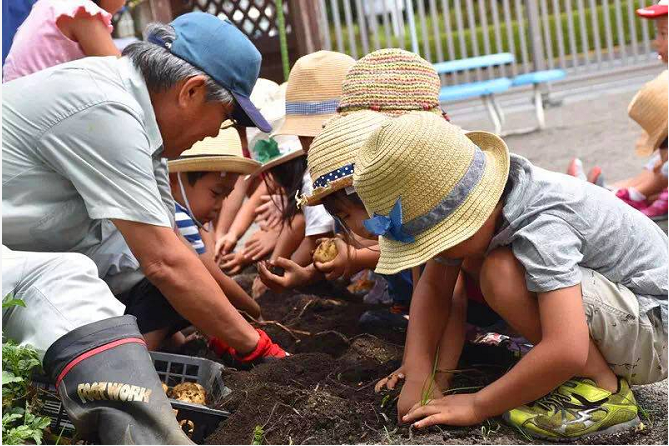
{"points": [[185, 282], [232, 290]]}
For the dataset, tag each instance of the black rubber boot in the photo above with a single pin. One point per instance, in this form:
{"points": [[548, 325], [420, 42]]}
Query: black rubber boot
{"points": [[109, 387]]}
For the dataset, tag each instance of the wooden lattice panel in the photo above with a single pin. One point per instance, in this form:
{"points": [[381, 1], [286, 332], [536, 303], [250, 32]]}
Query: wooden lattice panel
{"points": [[256, 18]]}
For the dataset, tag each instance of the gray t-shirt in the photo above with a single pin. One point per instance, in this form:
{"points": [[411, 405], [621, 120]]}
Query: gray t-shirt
{"points": [[556, 223], [80, 145]]}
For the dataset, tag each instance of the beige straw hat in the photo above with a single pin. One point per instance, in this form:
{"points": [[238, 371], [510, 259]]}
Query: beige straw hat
{"points": [[649, 109], [222, 153], [332, 154], [313, 92], [428, 186]]}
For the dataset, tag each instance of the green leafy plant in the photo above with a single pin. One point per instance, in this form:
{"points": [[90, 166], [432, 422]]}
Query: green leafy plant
{"points": [[19, 423], [428, 385], [258, 435]]}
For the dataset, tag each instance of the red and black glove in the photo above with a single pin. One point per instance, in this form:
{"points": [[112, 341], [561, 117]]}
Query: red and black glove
{"points": [[266, 349]]}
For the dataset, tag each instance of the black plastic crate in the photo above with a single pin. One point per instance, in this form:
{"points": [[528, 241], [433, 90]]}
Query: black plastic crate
{"points": [[196, 420]]}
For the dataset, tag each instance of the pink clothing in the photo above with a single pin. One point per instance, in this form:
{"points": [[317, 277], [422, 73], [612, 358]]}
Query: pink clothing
{"points": [[39, 44]]}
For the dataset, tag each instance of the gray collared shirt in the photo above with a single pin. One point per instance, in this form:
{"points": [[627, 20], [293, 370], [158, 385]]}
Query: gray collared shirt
{"points": [[80, 145]]}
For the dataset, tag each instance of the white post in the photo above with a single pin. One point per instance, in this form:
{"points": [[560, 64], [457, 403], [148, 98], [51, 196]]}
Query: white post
{"points": [[412, 27]]}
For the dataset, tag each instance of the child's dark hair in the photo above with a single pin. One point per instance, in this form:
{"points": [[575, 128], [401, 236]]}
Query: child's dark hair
{"points": [[288, 177], [193, 177], [663, 144], [334, 203]]}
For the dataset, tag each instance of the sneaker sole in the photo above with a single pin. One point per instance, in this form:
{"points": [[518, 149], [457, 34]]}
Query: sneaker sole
{"points": [[609, 431]]}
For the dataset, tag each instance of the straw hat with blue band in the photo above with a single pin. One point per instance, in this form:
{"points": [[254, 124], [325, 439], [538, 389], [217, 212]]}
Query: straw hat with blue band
{"points": [[313, 92], [222, 153], [222, 51], [331, 158], [427, 186]]}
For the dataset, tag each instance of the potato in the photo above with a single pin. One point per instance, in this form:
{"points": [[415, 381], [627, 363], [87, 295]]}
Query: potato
{"points": [[326, 251], [189, 393], [165, 388]]}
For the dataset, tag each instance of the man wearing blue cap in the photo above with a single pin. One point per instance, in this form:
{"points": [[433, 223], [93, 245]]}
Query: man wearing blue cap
{"points": [[84, 174]]}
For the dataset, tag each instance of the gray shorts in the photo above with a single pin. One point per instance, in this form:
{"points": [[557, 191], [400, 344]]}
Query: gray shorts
{"points": [[61, 292], [633, 341]]}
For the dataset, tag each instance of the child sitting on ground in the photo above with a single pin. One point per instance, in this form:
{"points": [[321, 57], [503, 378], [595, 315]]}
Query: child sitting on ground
{"points": [[59, 31], [648, 190], [199, 179], [557, 261]]}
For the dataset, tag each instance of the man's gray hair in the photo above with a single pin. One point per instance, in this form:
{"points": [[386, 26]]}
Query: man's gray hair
{"points": [[162, 70]]}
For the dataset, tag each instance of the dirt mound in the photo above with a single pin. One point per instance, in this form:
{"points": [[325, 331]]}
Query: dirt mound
{"points": [[323, 393]]}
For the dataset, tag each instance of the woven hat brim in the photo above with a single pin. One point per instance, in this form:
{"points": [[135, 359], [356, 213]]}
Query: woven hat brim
{"points": [[652, 141], [303, 125], [463, 222], [218, 163], [319, 194], [275, 162]]}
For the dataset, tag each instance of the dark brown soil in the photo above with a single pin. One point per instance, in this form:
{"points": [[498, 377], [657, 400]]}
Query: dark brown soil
{"points": [[323, 393]]}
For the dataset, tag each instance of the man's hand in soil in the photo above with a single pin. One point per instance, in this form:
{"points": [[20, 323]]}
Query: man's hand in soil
{"points": [[454, 410], [293, 275], [412, 393], [389, 382], [232, 263], [260, 244], [340, 266], [265, 349]]}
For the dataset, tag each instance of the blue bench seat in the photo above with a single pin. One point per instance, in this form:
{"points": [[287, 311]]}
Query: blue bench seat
{"points": [[538, 77], [474, 89]]}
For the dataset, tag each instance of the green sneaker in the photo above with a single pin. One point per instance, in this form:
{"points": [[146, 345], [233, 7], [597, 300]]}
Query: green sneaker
{"points": [[578, 408]]}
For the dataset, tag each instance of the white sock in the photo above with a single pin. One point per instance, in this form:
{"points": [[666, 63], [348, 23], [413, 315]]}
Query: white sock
{"points": [[635, 194]]}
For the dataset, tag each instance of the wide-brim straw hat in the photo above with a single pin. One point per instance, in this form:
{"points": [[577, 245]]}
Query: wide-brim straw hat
{"points": [[313, 92], [331, 158], [649, 109], [222, 153], [391, 81], [444, 183]]}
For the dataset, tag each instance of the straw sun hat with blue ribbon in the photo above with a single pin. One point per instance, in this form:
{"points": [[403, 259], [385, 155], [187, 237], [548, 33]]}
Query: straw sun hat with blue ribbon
{"points": [[427, 185], [331, 158], [313, 92]]}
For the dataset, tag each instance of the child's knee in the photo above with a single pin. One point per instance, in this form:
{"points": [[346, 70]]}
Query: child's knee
{"points": [[502, 276]]}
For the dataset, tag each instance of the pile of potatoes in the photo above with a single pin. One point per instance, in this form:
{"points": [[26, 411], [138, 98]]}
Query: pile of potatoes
{"points": [[187, 392]]}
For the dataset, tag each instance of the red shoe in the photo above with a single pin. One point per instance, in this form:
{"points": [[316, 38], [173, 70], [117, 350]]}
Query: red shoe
{"points": [[658, 210], [624, 195], [575, 169]]}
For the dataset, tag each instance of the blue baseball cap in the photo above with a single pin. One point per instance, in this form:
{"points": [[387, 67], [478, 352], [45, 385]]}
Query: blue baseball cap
{"points": [[222, 51]]}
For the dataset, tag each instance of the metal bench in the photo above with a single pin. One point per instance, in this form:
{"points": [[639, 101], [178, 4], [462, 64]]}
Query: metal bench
{"points": [[486, 90]]}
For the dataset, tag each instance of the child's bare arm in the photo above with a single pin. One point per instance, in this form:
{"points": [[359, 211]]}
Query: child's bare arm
{"points": [[230, 207], [90, 33], [430, 308], [560, 354], [290, 238], [235, 294]]}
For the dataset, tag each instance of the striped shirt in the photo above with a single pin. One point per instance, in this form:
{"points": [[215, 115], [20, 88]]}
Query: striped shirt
{"points": [[188, 228]]}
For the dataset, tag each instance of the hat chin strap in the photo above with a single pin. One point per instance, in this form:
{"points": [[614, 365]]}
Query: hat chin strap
{"points": [[190, 211]]}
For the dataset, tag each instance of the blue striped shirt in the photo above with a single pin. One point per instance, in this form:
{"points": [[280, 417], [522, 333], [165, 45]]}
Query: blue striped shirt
{"points": [[188, 228]]}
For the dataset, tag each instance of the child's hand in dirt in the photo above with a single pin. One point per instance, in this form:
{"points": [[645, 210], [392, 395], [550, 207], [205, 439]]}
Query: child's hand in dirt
{"points": [[232, 263], [260, 245], [294, 275], [340, 266], [268, 214], [224, 245], [390, 381], [412, 393], [454, 410], [258, 288]]}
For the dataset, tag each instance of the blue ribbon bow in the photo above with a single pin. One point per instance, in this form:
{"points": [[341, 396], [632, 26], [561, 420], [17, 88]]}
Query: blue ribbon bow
{"points": [[390, 226]]}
